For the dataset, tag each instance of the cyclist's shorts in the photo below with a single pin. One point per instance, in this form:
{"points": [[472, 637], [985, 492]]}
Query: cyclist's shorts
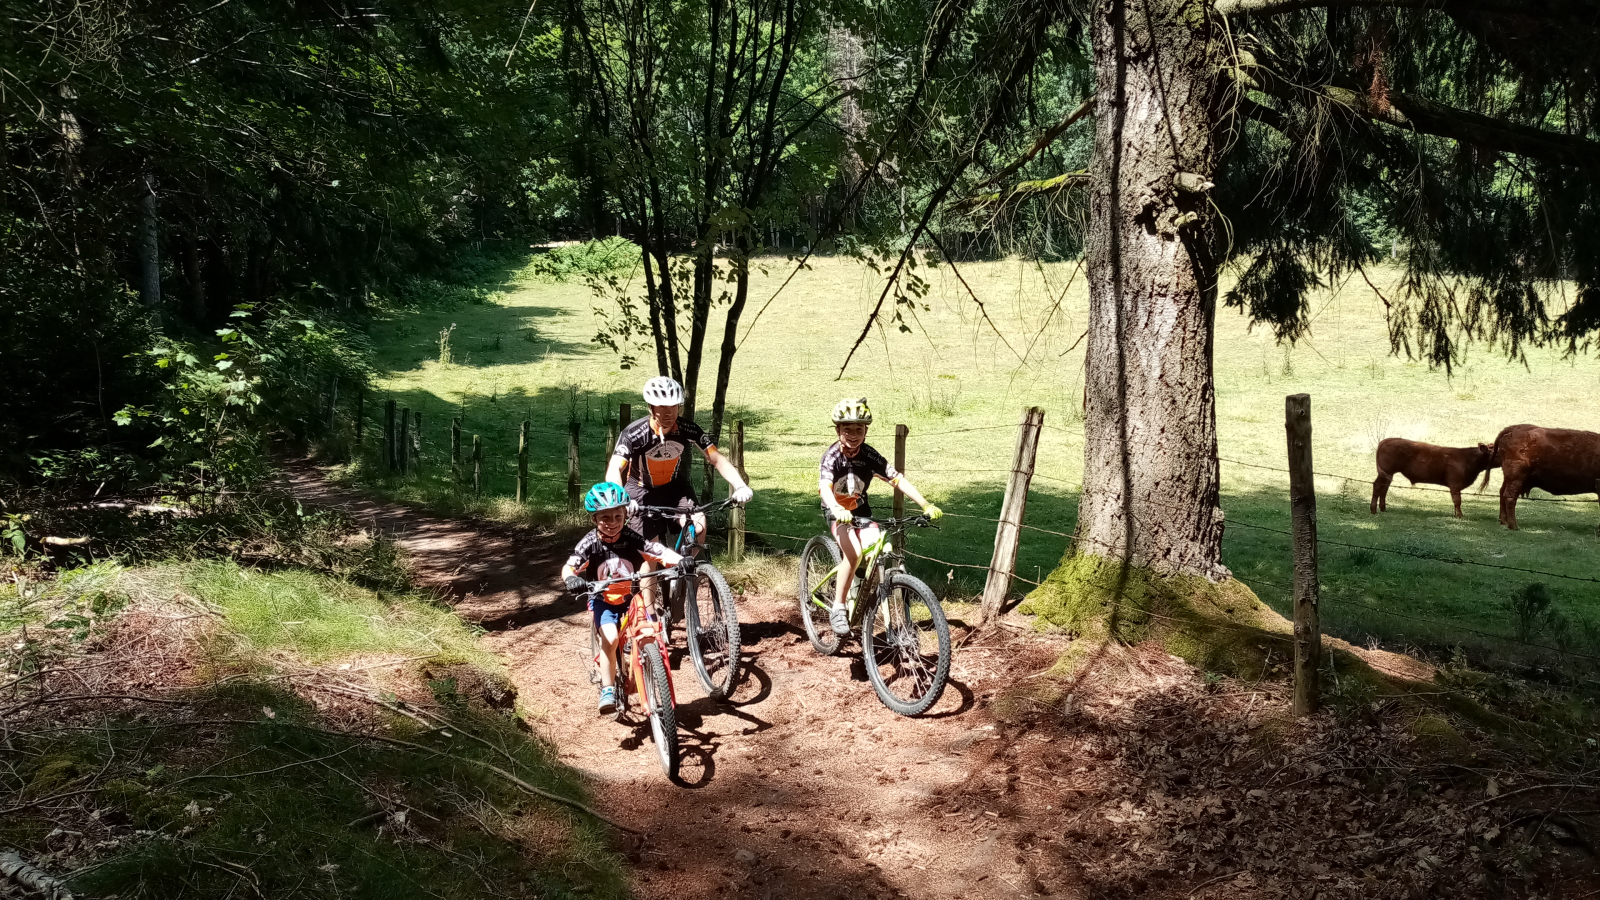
{"points": [[606, 612], [657, 527]]}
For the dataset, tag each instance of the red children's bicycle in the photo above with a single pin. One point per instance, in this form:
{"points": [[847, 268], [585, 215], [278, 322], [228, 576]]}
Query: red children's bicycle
{"points": [[644, 681]]}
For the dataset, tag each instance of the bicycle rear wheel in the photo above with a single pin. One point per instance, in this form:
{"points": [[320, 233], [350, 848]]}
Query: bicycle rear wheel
{"points": [[905, 641], [817, 579], [657, 692], [713, 631]]}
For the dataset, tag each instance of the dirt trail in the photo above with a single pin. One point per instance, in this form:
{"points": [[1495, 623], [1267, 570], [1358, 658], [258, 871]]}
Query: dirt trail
{"points": [[804, 785], [1137, 778]]}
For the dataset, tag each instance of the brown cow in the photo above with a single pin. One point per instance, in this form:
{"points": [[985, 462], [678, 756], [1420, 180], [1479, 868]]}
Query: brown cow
{"points": [[1558, 460], [1453, 467]]}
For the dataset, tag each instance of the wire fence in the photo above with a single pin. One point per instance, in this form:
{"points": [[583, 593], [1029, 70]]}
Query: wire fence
{"points": [[500, 464]]}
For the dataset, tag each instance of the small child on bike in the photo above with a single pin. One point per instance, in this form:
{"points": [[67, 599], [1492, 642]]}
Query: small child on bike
{"points": [[610, 551], [847, 470]]}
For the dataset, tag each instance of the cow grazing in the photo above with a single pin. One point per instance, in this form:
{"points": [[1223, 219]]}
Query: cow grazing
{"points": [[1453, 467], [1558, 460]]}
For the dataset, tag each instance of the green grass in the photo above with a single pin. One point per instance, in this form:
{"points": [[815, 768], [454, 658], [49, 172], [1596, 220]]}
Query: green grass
{"points": [[248, 790], [960, 388], [319, 618]]}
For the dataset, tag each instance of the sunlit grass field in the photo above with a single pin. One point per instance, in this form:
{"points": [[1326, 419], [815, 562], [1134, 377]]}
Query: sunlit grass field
{"points": [[960, 384]]}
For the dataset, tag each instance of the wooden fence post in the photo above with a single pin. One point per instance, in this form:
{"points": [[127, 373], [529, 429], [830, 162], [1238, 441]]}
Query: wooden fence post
{"points": [[361, 414], [522, 464], [1008, 533], [455, 450], [1303, 526], [900, 434], [736, 514], [624, 416], [388, 434], [404, 442], [333, 404], [416, 442], [572, 465], [477, 466]]}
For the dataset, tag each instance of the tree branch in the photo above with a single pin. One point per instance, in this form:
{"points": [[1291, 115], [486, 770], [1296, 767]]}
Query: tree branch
{"points": [[1423, 116], [1024, 190], [1539, 9], [1046, 139]]}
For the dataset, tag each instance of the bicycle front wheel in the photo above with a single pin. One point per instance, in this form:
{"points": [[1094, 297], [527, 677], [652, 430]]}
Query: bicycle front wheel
{"points": [[713, 630], [658, 703], [905, 642], [817, 585]]}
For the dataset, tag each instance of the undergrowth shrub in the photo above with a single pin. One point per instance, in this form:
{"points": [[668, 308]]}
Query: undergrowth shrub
{"points": [[581, 261]]}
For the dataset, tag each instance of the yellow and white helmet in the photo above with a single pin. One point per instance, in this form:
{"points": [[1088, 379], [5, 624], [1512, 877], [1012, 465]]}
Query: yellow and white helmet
{"points": [[852, 411]]}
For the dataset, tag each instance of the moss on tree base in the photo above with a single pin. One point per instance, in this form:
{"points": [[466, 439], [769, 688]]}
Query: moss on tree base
{"points": [[1215, 626]]}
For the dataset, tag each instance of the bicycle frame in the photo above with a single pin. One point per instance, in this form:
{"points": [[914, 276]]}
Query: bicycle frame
{"points": [[874, 562], [639, 627]]}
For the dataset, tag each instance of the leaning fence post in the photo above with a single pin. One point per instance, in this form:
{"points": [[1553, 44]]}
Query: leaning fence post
{"points": [[736, 514], [477, 466], [333, 405], [1303, 526], [522, 464], [388, 434], [900, 434], [572, 465], [404, 443], [455, 450], [1009, 532]]}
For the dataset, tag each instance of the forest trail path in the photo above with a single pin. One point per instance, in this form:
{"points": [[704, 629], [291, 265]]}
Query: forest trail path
{"points": [[802, 786]]}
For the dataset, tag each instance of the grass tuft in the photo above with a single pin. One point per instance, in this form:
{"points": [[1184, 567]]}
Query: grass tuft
{"points": [[320, 618]]}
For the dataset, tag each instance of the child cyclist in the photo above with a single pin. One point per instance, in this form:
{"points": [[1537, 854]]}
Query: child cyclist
{"points": [[847, 469], [610, 551]]}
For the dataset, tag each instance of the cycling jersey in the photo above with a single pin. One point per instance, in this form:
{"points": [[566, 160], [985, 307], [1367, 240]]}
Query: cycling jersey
{"points": [[658, 467], [623, 556], [850, 476]]}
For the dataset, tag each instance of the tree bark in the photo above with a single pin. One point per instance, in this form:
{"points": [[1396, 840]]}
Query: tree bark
{"points": [[1151, 494], [149, 247], [197, 282]]}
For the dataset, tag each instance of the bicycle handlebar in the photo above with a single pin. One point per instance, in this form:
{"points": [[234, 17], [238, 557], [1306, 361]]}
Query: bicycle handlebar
{"points": [[921, 521], [689, 511], [595, 587]]}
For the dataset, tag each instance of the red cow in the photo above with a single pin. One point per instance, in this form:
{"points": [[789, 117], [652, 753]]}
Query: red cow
{"points": [[1453, 467], [1558, 460]]}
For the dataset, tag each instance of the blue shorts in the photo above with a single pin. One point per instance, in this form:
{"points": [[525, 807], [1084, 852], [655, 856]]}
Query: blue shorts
{"points": [[605, 612]]}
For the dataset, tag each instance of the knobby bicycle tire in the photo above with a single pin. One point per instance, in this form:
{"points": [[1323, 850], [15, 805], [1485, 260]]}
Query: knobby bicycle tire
{"points": [[658, 705], [903, 629], [814, 574], [713, 643]]}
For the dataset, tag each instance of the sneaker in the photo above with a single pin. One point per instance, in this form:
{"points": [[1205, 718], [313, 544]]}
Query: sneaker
{"points": [[608, 701], [840, 620]]}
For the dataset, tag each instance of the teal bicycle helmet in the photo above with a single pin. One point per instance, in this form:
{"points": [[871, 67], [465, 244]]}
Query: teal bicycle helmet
{"points": [[605, 495]]}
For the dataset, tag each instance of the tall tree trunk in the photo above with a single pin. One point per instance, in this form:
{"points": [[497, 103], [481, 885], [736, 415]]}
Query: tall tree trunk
{"points": [[197, 282], [704, 261], [1151, 493], [730, 330], [654, 298], [149, 247]]}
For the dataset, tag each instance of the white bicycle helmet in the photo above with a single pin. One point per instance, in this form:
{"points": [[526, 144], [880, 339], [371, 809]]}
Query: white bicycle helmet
{"points": [[852, 411], [663, 391]]}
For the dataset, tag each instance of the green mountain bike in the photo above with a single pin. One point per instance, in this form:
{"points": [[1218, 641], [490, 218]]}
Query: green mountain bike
{"points": [[905, 640]]}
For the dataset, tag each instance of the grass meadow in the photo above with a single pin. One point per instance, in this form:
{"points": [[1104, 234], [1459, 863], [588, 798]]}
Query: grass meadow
{"points": [[960, 383]]}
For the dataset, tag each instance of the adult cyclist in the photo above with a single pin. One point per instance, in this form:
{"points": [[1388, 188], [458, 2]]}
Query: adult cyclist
{"points": [[652, 454], [848, 468]]}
